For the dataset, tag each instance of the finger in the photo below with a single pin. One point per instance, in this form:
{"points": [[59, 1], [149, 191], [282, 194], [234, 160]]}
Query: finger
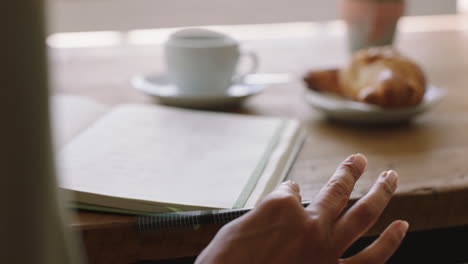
{"points": [[281, 201], [362, 215], [285, 189], [383, 248], [334, 196]]}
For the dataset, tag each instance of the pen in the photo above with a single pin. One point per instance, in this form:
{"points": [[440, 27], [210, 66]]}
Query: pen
{"points": [[190, 220]]}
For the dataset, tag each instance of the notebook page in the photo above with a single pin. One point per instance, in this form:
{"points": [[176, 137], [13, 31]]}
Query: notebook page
{"points": [[166, 155], [71, 114], [280, 162]]}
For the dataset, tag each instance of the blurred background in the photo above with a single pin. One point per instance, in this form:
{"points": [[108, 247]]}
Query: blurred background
{"points": [[68, 15], [119, 21]]}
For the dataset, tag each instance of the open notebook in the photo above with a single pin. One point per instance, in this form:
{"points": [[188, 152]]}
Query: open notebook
{"points": [[148, 159]]}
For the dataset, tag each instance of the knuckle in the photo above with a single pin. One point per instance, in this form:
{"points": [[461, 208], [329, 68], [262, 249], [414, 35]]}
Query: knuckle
{"points": [[386, 187], [367, 212], [350, 168], [314, 214], [393, 241], [287, 200], [281, 202], [313, 226], [339, 187]]}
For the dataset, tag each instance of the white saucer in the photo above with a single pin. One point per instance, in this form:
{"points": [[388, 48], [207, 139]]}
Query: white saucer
{"points": [[159, 86], [342, 109]]}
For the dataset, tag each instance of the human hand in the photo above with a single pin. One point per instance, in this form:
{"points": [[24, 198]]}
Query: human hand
{"points": [[280, 230]]}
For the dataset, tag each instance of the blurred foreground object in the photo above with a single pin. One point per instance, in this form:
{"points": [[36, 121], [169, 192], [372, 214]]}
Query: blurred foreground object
{"points": [[32, 225], [371, 22]]}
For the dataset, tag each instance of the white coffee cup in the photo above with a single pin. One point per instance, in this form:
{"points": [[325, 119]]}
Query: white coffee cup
{"points": [[204, 62]]}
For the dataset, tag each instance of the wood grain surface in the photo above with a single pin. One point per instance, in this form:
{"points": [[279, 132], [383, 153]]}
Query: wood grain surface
{"points": [[430, 153]]}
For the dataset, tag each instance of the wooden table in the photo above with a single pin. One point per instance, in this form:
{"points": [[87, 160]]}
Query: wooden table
{"points": [[431, 153]]}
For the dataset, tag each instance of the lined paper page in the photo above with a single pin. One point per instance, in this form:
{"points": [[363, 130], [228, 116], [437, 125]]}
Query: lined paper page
{"points": [[165, 155]]}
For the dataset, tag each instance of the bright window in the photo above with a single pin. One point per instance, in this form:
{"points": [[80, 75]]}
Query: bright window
{"points": [[105, 15]]}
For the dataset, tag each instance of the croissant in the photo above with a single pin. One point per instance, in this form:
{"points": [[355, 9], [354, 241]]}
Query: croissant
{"points": [[379, 76]]}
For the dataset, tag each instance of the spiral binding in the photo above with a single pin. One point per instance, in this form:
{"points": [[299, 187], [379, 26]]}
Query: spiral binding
{"points": [[171, 222]]}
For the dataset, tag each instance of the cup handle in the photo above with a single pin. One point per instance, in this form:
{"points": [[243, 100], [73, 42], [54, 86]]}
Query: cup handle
{"points": [[253, 67]]}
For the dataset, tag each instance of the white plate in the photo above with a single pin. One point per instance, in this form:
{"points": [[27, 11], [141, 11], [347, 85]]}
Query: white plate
{"points": [[159, 86], [340, 108]]}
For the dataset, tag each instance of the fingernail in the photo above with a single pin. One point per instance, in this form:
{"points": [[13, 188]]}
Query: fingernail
{"points": [[392, 177], [359, 162], [403, 228]]}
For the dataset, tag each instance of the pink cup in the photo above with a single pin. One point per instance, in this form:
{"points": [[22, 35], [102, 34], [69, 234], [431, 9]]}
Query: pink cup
{"points": [[371, 22]]}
